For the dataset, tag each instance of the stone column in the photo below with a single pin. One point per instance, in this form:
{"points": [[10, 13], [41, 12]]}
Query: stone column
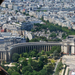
{"points": [[33, 46], [20, 49], [29, 48], [41, 48], [62, 48], [68, 49], [5, 56], [72, 49], [1, 55], [25, 49], [37, 47], [44, 47], [48, 47], [9, 56], [65, 49]]}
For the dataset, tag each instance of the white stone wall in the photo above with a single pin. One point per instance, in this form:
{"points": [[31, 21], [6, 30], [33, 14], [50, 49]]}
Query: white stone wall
{"points": [[65, 49], [62, 48], [72, 49]]}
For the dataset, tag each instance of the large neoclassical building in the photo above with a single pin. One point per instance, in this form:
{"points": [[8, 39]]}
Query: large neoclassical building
{"points": [[67, 47]]}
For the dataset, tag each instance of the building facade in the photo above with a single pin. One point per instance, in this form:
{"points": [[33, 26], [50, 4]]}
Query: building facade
{"points": [[67, 47]]}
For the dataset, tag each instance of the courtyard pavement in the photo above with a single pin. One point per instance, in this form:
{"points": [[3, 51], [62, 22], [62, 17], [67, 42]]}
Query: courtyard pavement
{"points": [[69, 60]]}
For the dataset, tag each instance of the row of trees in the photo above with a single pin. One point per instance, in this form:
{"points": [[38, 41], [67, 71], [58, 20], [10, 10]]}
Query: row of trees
{"points": [[53, 27], [59, 67], [37, 39]]}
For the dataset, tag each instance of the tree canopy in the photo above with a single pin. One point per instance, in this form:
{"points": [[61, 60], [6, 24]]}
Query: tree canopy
{"points": [[15, 57]]}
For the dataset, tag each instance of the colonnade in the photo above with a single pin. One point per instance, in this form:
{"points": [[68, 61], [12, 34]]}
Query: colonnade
{"points": [[6, 55], [27, 48], [2, 56], [22, 49]]}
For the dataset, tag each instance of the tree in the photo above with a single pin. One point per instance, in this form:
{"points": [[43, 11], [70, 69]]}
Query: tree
{"points": [[24, 63], [42, 58], [34, 40], [64, 35], [45, 60], [5, 67], [58, 48], [53, 61], [36, 52], [36, 57], [43, 72], [25, 54], [55, 54], [59, 67], [17, 67], [15, 57], [35, 66], [47, 53], [15, 73], [49, 69], [26, 68], [39, 54], [30, 60], [32, 54], [28, 73], [35, 72], [53, 35], [40, 64], [27, 40], [42, 52], [10, 71]]}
